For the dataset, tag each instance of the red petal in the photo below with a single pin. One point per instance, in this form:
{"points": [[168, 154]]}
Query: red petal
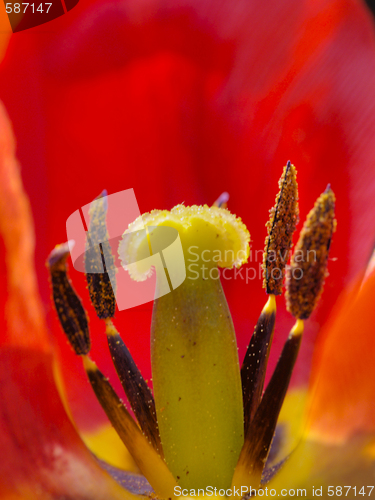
{"points": [[42, 455], [25, 318]]}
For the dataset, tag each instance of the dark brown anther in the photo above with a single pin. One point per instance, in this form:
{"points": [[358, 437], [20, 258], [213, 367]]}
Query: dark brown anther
{"points": [[99, 257], [308, 269], [280, 227], [68, 305]]}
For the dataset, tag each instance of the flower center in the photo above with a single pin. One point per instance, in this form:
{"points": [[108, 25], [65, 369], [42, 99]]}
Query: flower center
{"points": [[208, 423]]}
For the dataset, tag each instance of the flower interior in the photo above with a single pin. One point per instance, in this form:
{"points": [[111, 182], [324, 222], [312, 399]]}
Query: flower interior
{"points": [[208, 421]]}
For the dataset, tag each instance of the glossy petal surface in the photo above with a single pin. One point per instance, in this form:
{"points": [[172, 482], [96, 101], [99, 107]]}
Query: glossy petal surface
{"points": [[42, 455]]}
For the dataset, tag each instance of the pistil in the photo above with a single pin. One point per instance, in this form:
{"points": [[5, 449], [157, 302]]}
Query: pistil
{"points": [[194, 358]]}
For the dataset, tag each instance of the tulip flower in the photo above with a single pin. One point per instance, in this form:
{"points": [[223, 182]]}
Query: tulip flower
{"points": [[205, 98]]}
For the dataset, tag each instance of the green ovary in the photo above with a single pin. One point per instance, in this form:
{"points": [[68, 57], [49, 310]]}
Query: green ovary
{"points": [[197, 384]]}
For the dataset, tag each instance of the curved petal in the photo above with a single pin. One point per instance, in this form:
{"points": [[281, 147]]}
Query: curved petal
{"points": [[320, 468], [342, 391], [5, 32], [336, 444], [42, 455]]}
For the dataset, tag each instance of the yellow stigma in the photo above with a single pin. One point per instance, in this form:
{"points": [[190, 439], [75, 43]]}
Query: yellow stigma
{"points": [[211, 233]]}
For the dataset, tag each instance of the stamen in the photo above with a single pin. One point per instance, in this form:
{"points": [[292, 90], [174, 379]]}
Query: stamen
{"points": [[261, 430], [222, 201], [147, 459], [103, 300], [302, 296], [281, 226], [253, 370], [306, 275], [68, 305], [74, 322], [99, 256], [136, 389]]}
